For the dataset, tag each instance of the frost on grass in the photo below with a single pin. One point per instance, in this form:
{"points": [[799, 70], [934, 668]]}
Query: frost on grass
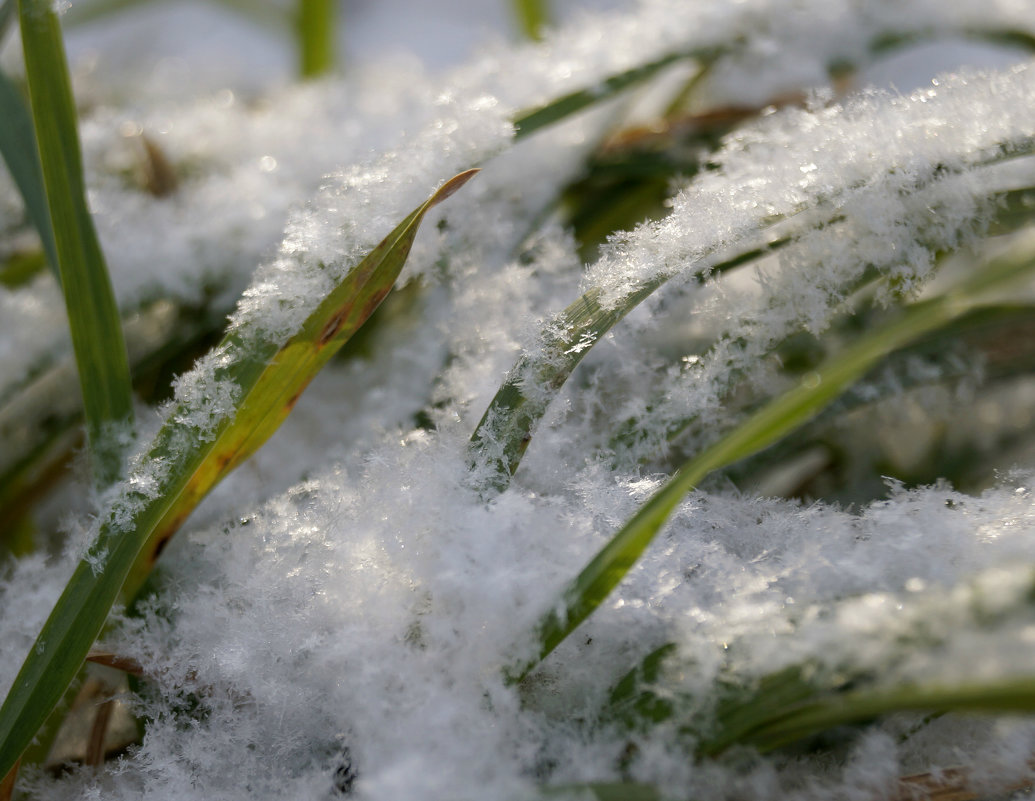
{"points": [[863, 194], [337, 618]]}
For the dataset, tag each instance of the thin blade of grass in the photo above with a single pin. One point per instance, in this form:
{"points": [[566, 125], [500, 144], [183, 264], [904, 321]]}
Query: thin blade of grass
{"points": [[772, 422], [505, 430], [270, 379], [92, 312], [532, 17], [527, 122], [530, 120], [786, 726], [502, 435], [1014, 211], [317, 26], [999, 36], [18, 149]]}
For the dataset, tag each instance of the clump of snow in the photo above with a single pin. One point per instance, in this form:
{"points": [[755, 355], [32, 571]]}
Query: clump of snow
{"points": [[337, 617]]}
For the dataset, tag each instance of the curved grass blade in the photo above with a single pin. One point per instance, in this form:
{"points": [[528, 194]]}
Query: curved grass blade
{"points": [[1014, 211], [528, 122], [773, 421], [502, 435], [531, 120], [92, 312], [18, 149], [801, 701], [784, 724], [1006, 37], [151, 506]]}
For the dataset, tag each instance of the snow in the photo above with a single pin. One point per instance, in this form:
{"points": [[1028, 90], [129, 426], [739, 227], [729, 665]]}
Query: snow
{"points": [[341, 609]]}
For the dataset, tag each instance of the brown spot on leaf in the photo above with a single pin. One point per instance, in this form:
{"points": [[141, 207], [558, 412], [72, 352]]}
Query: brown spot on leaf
{"points": [[294, 399], [332, 327], [160, 546], [224, 460], [373, 303]]}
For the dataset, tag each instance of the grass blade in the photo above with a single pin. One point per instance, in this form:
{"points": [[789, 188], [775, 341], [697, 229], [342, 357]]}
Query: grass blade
{"points": [[1008, 696], [773, 421], [270, 380], [528, 122], [505, 430], [767, 722], [317, 26], [92, 312], [513, 413], [532, 16], [18, 149]]}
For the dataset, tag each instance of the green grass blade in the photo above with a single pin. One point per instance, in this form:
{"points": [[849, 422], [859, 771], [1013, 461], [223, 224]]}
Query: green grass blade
{"points": [[633, 701], [513, 413], [1009, 696], [1013, 212], [270, 380], [531, 120], [317, 26], [1006, 37], [527, 122], [773, 421], [505, 430], [18, 149], [92, 312], [532, 17]]}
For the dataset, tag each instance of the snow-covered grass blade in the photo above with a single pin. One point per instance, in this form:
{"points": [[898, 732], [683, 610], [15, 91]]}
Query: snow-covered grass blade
{"points": [[529, 121], [770, 423], [255, 384], [506, 428]]}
